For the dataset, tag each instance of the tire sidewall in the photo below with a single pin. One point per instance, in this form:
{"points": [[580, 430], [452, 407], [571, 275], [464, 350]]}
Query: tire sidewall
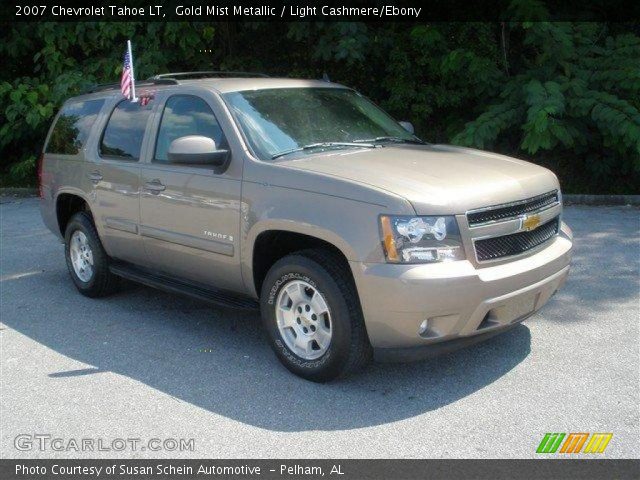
{"points": [[300, 268], [78, 223]]}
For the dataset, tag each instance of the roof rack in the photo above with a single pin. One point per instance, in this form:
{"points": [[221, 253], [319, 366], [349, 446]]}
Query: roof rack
{"points": [[145, 83], [206, 74], [172, 79]]}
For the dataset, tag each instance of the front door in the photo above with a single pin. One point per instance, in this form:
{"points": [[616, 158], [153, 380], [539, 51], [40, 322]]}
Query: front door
{"points": [[190, 215]]}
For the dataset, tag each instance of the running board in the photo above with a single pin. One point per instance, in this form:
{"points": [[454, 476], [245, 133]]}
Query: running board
{"points": [[168, 284]]}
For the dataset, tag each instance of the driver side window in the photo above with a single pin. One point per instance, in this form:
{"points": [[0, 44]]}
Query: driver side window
{"points": [[186, 115]]}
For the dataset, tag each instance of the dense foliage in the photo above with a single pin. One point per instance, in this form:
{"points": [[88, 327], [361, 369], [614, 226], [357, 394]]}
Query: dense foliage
{"points": [[565, 95]]}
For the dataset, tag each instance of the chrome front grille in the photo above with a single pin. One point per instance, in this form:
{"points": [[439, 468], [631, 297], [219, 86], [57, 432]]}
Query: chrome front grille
{"points": [[511, 229], [511, 210]]}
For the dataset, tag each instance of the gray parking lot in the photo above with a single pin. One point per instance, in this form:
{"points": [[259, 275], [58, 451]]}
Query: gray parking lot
{"points": [[146, 365]]}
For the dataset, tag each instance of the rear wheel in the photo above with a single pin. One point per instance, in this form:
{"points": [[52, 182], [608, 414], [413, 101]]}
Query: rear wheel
{"points": [[87, 261], [312, 315]]}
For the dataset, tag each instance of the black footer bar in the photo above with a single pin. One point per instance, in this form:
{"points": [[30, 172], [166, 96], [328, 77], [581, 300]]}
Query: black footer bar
{"points": [[315, 469]]}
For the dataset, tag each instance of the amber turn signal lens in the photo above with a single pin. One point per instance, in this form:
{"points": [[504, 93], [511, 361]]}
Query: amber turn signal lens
{"points": [[388, 239]]}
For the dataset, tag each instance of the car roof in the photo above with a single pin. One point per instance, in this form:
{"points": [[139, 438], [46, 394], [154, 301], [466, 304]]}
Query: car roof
{"points": [[226, 85], [220, 85]]}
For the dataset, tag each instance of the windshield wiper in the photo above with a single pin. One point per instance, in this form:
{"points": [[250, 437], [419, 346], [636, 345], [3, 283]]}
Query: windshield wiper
{"points": [[392, 139], [359, 144]]}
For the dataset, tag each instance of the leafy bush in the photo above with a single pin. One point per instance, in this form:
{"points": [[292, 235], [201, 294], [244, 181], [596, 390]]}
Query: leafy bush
{"points": [[564, 95], [575, 96]]}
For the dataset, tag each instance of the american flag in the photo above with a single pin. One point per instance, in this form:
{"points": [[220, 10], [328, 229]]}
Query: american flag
{"points": [[127, 78]]}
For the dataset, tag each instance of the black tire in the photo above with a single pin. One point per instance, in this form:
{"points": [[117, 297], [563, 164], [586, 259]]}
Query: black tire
{"points": [[102, 281], [349, 350]]}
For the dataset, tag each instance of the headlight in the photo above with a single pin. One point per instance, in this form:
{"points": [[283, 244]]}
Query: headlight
{"points": [[407, 239]]}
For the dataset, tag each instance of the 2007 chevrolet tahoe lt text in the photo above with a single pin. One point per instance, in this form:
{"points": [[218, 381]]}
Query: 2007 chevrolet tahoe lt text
{"points": [[356, 238]]}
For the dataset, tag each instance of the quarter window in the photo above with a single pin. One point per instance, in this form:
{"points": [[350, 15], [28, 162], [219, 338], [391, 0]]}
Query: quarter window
{"points": [[186, 115], [122, 138], [73, 126]]}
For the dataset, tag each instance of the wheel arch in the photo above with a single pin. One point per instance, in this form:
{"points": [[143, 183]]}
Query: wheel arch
{"points": [[68, 203], [265, 246]]}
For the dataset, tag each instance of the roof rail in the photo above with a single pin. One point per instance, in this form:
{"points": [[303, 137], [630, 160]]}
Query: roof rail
{"points": [[206, 74], [145, 83]]}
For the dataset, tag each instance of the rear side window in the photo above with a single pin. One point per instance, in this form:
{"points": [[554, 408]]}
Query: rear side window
{"points": [[186, 115], [123, 135], [73, 126]]}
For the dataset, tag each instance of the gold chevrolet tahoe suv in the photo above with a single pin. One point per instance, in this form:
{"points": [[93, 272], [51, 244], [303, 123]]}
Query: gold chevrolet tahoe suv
{"points": [[353, 237]]}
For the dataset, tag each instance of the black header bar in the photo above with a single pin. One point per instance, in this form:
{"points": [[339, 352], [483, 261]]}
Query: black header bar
{"points": [[316, 10]]}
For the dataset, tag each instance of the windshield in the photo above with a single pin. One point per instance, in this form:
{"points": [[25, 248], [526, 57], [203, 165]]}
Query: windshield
{"points": [[285, 120]]}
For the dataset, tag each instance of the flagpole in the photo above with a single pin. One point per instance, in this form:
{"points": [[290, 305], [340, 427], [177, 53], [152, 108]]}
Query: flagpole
{"points": [[133, 78]]}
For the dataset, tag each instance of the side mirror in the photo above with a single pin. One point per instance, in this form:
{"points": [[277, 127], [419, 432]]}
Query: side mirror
{"points": [[408, 127], [197, 150]]}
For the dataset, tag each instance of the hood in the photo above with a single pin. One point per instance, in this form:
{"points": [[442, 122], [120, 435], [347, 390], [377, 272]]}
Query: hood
{"points": [[436, 179]]}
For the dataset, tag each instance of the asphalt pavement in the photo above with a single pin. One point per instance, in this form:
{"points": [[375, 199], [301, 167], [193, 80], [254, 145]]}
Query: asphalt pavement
{"points": [[155, 369]]}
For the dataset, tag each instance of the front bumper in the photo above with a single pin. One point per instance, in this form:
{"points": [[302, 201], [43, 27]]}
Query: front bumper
{"points": [[461, 303]]}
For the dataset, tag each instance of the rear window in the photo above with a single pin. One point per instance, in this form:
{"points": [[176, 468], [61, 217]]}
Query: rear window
{"points": [[123, 135], [73, 126]]}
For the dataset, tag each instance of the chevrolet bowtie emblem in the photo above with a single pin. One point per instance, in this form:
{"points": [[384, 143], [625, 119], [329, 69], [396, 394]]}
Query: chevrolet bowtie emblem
{"points": [[530, 222]]}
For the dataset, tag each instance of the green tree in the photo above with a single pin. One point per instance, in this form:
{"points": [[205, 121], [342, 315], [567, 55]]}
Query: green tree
{"points": [[573, 93], [564, 95]]}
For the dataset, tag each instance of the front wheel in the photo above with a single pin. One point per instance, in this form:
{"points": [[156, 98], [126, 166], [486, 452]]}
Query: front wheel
{"points": [[312, 315]]}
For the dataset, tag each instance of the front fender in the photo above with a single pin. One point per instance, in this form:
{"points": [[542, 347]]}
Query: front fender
{"points": [[350, 226], [337, 211]]}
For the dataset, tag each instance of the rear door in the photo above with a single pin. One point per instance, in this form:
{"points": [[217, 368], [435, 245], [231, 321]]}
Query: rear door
{"points": [[190, 215], [114, 172]]}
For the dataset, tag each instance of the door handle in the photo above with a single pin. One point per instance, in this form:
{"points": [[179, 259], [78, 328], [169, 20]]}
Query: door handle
{"points": [[154, 186], [95, 176]]}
